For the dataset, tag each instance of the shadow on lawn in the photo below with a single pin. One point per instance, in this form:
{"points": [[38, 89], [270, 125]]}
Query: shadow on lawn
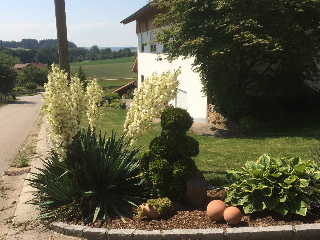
{"points": [[301, 124], [214, 178]]}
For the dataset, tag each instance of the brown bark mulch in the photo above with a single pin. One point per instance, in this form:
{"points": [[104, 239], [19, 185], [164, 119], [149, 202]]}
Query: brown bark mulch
{"points": [[198, 219]]}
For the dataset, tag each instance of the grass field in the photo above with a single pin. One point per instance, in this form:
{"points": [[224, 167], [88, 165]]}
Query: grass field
{"points": [[294, 138], [107, 69]]}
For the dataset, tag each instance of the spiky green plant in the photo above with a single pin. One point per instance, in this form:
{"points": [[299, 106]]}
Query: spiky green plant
{"points": [[98, 176]]}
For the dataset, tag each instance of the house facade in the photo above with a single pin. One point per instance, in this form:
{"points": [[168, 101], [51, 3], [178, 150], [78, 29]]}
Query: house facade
{"points": [[151, 59]]}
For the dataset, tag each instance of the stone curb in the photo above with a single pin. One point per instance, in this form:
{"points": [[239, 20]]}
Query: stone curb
{"points": [[285, 232]]}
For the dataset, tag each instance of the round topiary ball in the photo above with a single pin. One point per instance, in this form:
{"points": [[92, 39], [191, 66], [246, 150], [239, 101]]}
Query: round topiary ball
{"points": [[176, 121]]}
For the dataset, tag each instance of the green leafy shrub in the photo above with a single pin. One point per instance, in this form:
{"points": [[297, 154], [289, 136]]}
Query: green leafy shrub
{"points": [[117, 104], [285, 185], [110, 96], [164, 206], [167, 165], [128, 95], [31, 86], [98, 176]]}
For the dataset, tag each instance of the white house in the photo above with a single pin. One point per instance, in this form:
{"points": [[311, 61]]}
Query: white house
{"points": [[190, 96]]}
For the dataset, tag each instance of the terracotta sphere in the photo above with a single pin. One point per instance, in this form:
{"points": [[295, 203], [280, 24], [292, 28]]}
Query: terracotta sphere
{"points": [[232, 215], [149, 212], [215, 210]]}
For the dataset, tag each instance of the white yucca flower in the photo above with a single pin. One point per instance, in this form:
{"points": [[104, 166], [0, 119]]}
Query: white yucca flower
{"points": [[149, 102], [66, 104]]}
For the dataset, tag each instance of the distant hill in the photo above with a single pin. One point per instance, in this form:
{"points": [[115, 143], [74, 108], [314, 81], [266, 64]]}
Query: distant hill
{"points": [[133, 49], [33, 44]]}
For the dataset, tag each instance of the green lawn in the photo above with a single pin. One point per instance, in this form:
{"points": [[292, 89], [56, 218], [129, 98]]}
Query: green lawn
{"points": [[107, 69], [220, 154]]}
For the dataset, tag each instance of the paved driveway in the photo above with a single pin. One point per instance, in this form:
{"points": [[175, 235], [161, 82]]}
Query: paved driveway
{"points": [[16, 121]]}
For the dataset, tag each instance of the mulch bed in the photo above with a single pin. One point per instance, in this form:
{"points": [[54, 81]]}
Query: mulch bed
{"points": [[198, 219]]}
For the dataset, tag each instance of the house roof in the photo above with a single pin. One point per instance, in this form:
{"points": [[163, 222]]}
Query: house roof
{"points": [[133, 83], [138, 14], [38, 65], [20, 66]]}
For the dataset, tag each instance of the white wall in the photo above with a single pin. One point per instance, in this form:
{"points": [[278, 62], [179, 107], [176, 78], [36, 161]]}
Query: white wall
{"points": [[189, 80]]}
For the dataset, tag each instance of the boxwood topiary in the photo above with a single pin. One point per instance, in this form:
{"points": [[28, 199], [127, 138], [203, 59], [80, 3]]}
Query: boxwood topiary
{"points": [[167, 165], [175, 121], [174, 148]]}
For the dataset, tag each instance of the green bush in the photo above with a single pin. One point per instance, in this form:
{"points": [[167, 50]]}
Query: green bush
{"points": [[174, 148], [168, 165], [110, 96], [286, 185], [164, 206], [175, 121], [128, 95], [117, 104], [31, 86], [99, 176]]}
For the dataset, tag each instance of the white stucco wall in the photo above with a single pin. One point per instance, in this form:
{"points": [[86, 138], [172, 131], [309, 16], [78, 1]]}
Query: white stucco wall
{"points": [[190, 87]]}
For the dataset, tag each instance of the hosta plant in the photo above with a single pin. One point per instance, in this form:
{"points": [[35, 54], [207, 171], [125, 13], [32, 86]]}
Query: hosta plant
{"points": [[286, 185], [97, 177]]}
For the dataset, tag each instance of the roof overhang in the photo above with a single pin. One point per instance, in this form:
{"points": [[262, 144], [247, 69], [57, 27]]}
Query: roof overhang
{"points": [[140, 13]]}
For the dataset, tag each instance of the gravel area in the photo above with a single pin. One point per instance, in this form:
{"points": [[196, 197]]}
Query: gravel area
{"points": [[197, 219]]}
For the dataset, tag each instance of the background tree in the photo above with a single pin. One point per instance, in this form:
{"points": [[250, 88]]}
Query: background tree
{"points": [[62, 35], [7, 75], [81, 74], [94, 53], [77, 54], [254, 56], [33, 75], [31, 86], [47, 55]]}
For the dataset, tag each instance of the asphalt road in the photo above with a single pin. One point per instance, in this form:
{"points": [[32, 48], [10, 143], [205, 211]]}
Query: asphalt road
{"points": [[16, 121]]}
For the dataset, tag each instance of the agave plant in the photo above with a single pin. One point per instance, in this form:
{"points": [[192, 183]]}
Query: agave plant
{"points": [[98, 176], [285, 185]]}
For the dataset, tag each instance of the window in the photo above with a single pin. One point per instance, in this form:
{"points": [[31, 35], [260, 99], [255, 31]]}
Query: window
{"points": [[153, 45], [142, 42]]}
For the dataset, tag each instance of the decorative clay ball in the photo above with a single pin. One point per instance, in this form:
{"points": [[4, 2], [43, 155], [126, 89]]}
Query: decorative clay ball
{"points": [[232, 215], [215, 210]]}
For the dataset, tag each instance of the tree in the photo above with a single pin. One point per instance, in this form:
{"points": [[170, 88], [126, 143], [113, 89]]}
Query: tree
{"points": [[248, 52], [47, 55], [94, 53], [81, 74], [7, 76], [9, 60], [77, 54], [33, 75], [62, 35], [31, 86]]}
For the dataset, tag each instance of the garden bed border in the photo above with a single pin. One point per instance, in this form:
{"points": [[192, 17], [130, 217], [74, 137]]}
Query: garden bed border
{"points": [[290, 232]]}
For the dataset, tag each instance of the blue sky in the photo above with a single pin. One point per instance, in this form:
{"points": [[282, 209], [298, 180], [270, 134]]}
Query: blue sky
{"points": [[94, 22]]}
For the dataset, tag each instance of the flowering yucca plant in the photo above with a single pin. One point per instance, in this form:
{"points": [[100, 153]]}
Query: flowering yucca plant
{"points": [[66, 104], [94, 98], [149, 102], [61, 104]]}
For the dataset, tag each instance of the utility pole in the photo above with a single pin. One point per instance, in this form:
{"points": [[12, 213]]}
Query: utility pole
{"points": [[62, 36]]}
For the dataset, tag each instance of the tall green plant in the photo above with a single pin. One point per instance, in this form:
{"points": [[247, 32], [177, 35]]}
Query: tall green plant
{"points": [[285, 185], [167, 165], [98, 176]]}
